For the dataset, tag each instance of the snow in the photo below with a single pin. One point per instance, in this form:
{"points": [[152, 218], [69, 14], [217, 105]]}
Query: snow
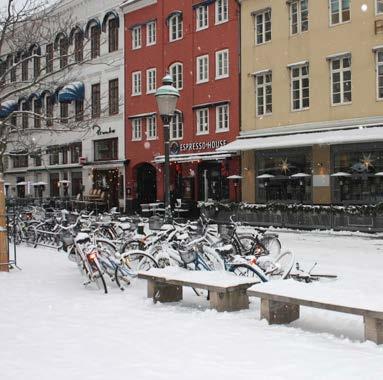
{"points": [[52, 327], [305, 139], [217, 278]]}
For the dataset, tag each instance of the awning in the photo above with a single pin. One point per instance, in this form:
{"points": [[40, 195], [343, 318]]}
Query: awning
{"points": [[328, 137], [70, 92], [208, 156], [7, 107]]}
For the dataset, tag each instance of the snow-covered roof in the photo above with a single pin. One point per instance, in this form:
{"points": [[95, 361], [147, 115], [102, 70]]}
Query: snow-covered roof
{"points": [[360, 134]]}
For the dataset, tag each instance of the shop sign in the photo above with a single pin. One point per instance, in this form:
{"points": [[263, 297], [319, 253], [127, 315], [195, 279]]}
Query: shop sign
{"points": [[202, 145], [107, 132]]}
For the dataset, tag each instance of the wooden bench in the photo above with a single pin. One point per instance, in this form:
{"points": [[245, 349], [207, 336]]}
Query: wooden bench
{"points": [[227, 292], [280, 302]]}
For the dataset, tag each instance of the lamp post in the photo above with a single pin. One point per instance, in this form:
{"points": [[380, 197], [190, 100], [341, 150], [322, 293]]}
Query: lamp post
{"points": [[166, 97]]}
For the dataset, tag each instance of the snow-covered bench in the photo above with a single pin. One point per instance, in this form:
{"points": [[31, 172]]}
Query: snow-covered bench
{"points": [[280, 302], [227, 292]]}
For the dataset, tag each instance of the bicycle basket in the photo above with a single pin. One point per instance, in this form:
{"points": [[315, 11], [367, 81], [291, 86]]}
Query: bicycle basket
{"points": [[188, 256], [226, 231]]}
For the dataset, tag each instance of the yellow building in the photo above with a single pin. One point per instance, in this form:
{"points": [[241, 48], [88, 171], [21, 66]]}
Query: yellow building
{"points": [[312, 92]]}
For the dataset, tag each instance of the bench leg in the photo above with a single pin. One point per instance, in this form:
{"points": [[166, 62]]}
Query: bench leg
{"points": [[276, 312], [164, 292], [229, 301], [373, 330]]}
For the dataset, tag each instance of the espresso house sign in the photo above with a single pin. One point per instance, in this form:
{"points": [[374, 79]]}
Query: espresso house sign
{"points": [[176, 148]]}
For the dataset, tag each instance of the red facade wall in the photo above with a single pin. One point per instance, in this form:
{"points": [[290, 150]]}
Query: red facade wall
{"points": [[161, 56]]}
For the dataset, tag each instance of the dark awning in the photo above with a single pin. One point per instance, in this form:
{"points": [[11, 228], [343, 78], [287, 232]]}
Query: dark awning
{"points": [[70, 92], [7, 107]]}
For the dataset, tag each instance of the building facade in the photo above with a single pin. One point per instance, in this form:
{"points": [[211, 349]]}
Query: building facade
{"points": [[78, 141], [197, 42], [311, 100]]}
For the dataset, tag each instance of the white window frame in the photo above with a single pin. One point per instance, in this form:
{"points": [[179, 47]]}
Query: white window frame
{"points": [[264, 32], [299, 16], [202, 62], [202, 121], [151, 128], [222, 64], [340, 7], [378, 64], [341, 71], [175, 24], [151, 33], [137, 129], [151, 80], [202, 17], [178, 83], [263, 86], [377, 4], [226, 127], [136, 83], [136, 37], [176, 129], [299, 80], [221, 11]]}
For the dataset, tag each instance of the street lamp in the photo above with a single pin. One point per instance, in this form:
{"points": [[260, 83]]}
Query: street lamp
{"points": [[166, 97]]}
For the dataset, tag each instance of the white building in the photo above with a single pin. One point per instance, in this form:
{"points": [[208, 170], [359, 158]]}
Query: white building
{"points": [[86, 94]]}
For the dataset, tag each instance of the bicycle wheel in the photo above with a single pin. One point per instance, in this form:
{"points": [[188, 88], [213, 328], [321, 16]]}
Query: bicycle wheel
{"points": [[98, 276], [271, 245], [246, 243], [131, 263], [283, 265], [30, 235], [246, 270]]}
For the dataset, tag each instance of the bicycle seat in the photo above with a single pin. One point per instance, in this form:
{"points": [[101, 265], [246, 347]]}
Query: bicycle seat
{"points": [[82, 238]]}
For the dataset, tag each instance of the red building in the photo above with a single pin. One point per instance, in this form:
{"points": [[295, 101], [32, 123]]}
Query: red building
{"points": [[197, 42]]}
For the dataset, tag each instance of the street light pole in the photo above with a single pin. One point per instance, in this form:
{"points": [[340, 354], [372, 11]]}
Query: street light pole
{"points": [[166, 97]]}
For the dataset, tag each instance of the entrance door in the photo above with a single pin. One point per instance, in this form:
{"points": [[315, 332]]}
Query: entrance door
{"points": [[146, 184], [211, 183], [107, 182], [54, 184]]}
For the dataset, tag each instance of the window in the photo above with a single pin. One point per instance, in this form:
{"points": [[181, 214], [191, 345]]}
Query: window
{"points": [[64, 113], [79, 110], [221, 11], [175, 27], [263, 27], [136, 129], [176, 71], [106, 150], [151, 81], [54, 158], [299, 16], [64, 153], [20, 160], [136, 37], [203, 69], [151, 128], [24, 67], [96, 100], [49, 110], [379, 74], [78, 47], [24, 115], [176, 127], [136, 83], [222, 64], [151, 33], [202, 17], [63, 46], [264, 93], [95, 41], [113, 35], [49, 58], [75, 153], [300, 87], [37, 112], [339, 11], [113, 97], [37, 158], [36, 64], [202, 121], [222, 118], [11, 68], [379, 6], [341, 80]]}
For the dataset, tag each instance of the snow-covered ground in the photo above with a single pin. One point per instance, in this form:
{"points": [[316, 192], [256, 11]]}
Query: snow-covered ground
{"points": [[52, 327]]}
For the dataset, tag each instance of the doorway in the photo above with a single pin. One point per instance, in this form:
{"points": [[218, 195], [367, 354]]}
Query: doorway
{"points": [[212, 184], [146, 184], [107, 182]]}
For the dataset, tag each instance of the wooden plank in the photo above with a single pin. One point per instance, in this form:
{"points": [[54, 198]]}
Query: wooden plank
{"points": [[316, 304], [197, 285]]}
